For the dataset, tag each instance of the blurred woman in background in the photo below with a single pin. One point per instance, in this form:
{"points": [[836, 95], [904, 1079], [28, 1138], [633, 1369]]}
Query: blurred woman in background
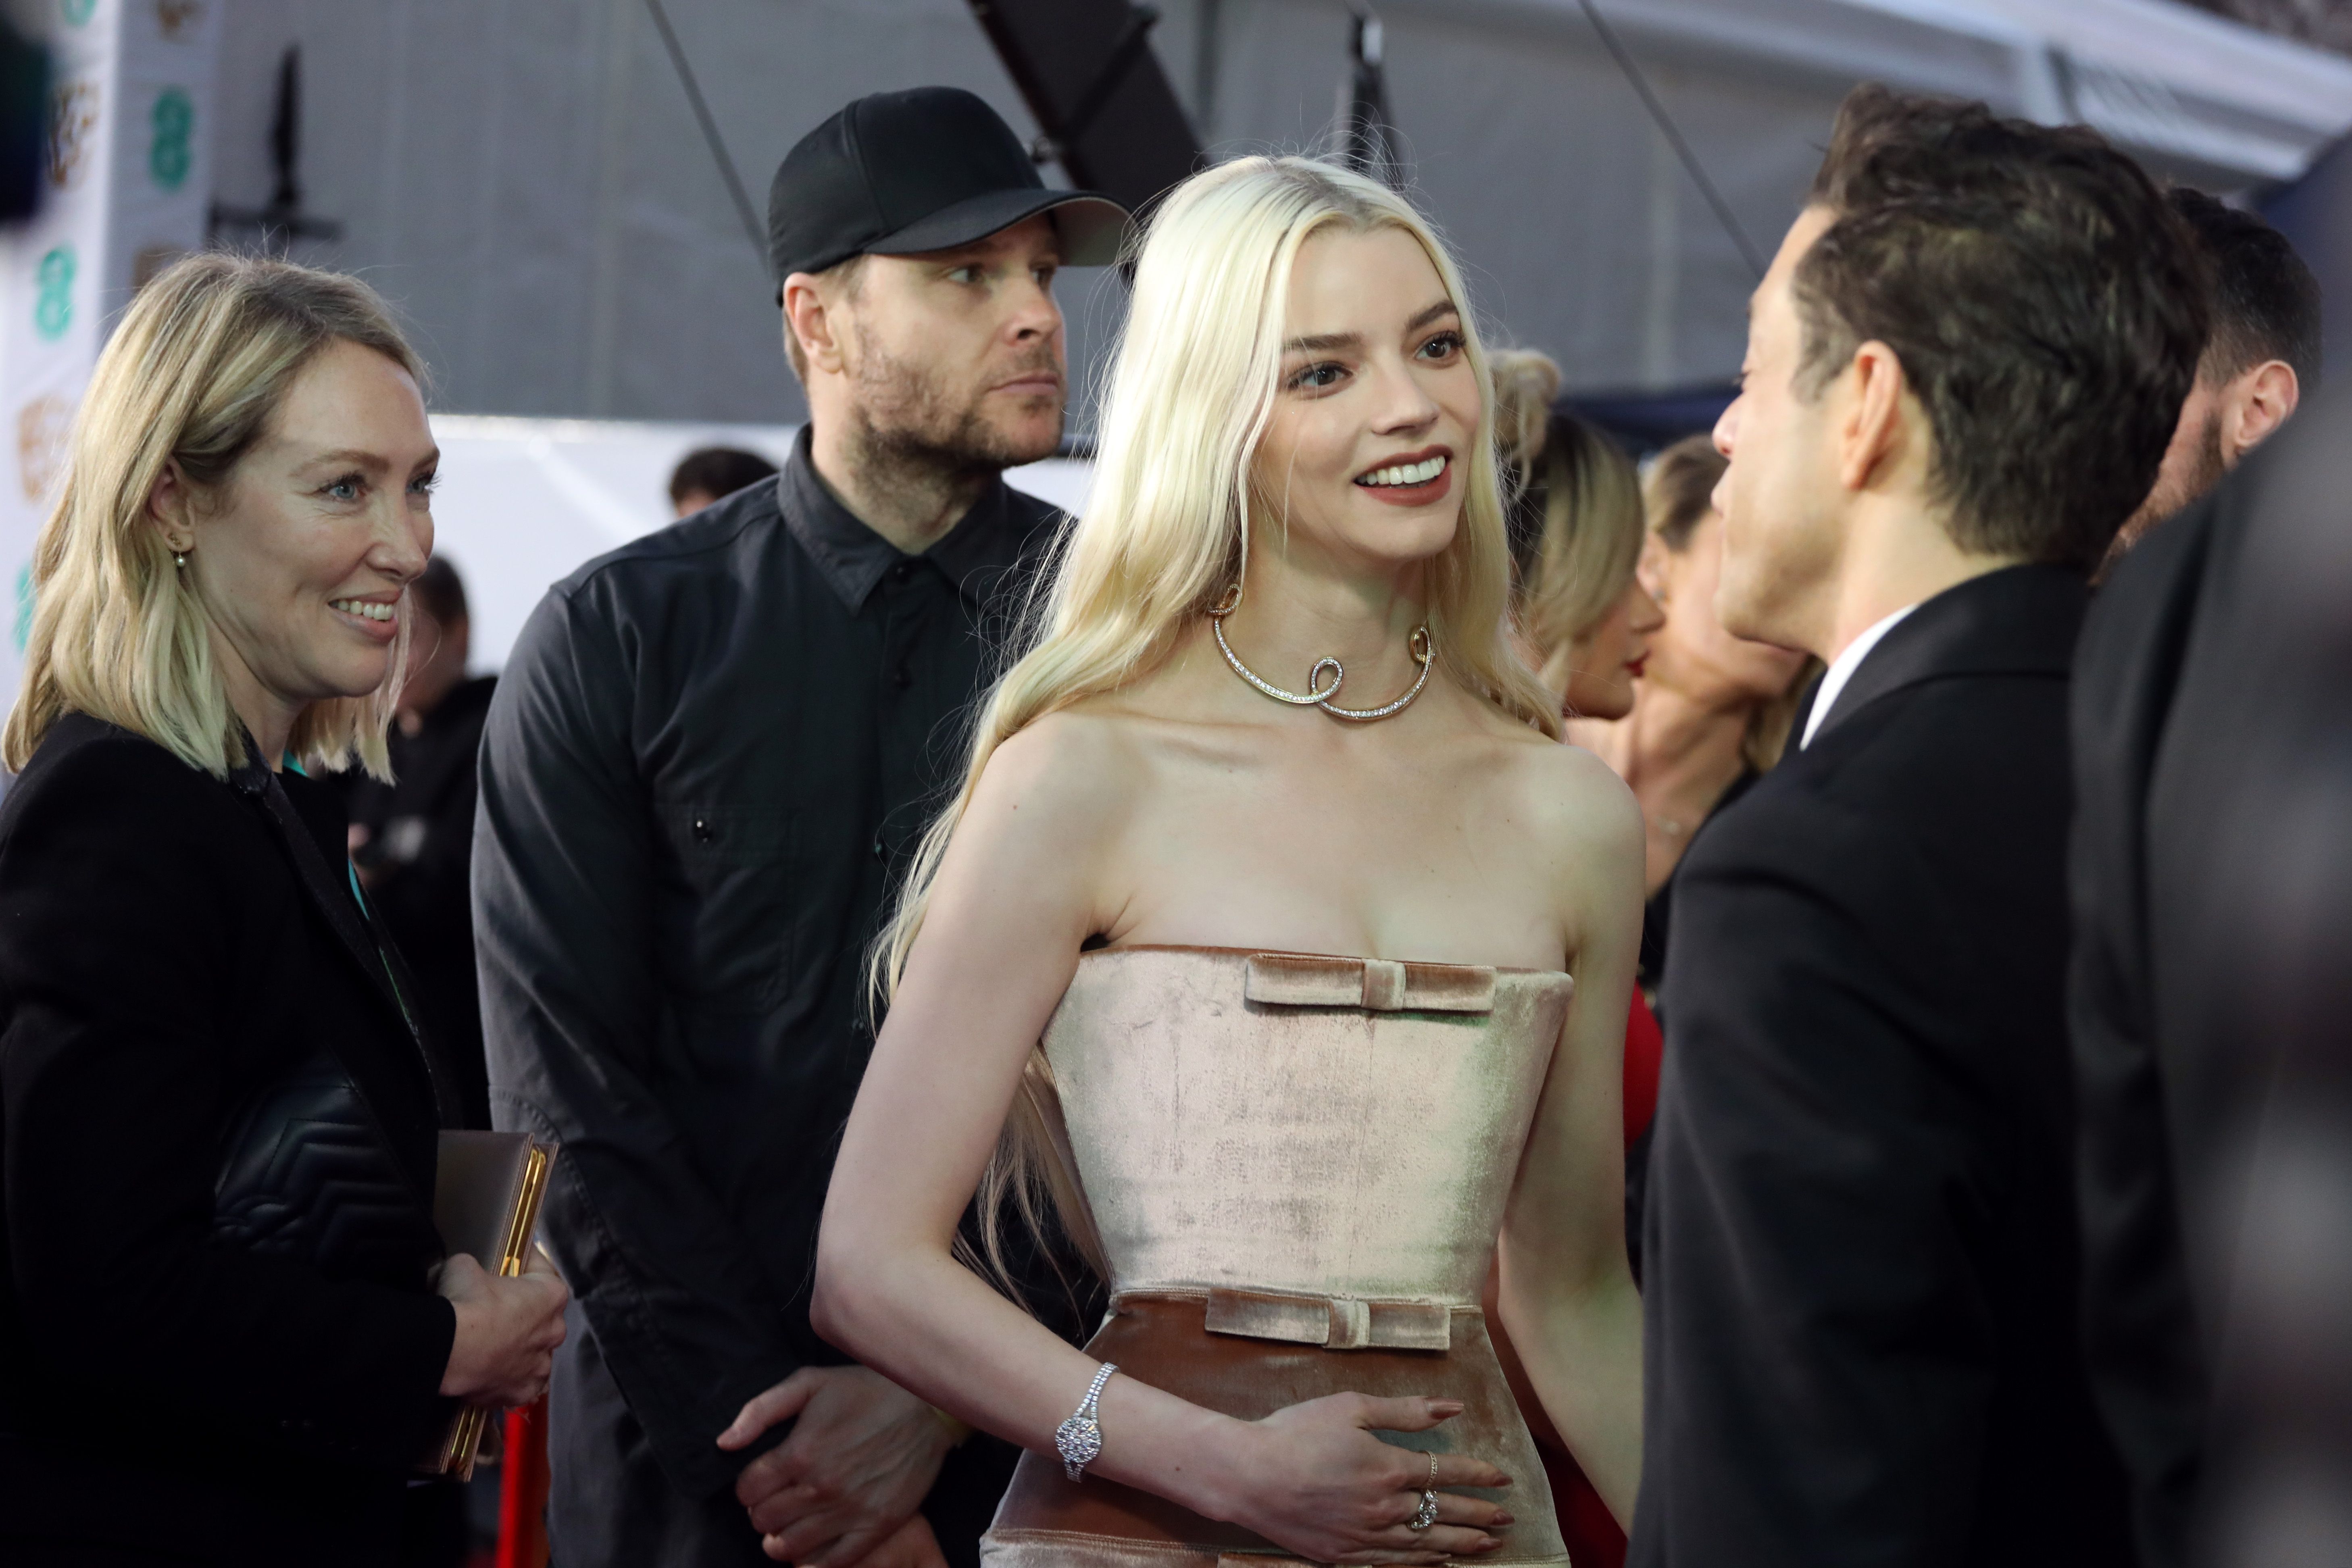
{"points": [[226, 1331], [1714, 710], [1583, 614]]}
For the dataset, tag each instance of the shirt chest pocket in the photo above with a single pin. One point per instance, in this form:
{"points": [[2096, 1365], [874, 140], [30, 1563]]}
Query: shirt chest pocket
{"points": [[726, 930]]}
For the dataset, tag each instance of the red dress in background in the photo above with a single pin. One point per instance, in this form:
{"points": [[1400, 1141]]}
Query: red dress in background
{"points": [[1585, 1523]]}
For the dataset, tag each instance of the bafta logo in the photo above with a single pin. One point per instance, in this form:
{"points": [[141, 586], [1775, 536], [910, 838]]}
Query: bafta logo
{"points": [[73, 126], [43, 426], [177, 20]]}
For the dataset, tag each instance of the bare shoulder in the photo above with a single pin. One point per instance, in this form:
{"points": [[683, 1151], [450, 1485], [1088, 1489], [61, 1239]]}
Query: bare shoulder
{"points": [[1571, 803], [1076, 769]]}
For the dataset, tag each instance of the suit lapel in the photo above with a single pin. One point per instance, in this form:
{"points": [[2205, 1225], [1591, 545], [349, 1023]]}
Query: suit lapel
{"points": [[2020, 620]]}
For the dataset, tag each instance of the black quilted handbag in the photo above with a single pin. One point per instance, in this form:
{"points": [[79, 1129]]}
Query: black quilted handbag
{"points": [[306, 1170], [306, 1175]]}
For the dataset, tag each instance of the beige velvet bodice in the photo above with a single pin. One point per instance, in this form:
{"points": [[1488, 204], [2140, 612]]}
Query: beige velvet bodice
{"points": [[1330, 1127]]}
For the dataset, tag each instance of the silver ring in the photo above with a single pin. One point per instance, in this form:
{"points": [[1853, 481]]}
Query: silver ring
{"points": [[1426, 1515]]}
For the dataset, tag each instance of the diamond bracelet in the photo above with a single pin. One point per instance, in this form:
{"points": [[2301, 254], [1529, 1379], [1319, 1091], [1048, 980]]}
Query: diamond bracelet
{"points": [[1079, 1440]]}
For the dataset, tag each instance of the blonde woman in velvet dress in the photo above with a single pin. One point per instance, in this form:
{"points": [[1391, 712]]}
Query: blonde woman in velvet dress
{"points": [[1274, 939]]}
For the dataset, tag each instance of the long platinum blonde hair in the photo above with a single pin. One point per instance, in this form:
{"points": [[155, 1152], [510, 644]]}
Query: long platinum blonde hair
{"points": [[201, 361], [1166, 532]]}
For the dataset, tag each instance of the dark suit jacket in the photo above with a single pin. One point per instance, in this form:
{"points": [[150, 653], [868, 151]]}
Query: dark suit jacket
{"points": [[2192, 679], [2140, 1330], [1860, 1298], [160, 960], [2249, 890]]}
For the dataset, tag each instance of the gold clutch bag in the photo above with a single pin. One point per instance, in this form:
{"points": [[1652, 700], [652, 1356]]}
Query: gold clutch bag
{"points": [[486, 1197]]}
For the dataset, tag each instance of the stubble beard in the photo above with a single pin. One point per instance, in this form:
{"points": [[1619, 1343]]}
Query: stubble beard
{"points": [[2164, 499], [911, 429]]}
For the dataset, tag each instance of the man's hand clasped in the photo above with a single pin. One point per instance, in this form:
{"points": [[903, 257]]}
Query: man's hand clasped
{"points": [[843, 1489]]}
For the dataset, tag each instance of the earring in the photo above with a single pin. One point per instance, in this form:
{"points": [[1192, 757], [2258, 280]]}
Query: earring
{"points": [[180, 561]]}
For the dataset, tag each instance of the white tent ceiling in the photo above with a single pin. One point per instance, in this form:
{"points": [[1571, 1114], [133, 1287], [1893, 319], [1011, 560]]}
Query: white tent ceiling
{"points": [[525, 178]]}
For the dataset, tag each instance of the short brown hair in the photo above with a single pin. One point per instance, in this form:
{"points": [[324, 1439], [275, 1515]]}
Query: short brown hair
{"points": [[1680, 489], [2266, 303], [2045, 301]]}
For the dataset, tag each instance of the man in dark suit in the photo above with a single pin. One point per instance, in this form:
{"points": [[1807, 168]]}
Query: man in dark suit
{"points": [[2247, 876], [2174, 691], [1860, 1298], [2146, 1157]]}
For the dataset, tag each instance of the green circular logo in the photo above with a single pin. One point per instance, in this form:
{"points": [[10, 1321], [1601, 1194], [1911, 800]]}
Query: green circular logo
{"points": [[78, 12], [174, 116], [53, 293], [23, 605]]}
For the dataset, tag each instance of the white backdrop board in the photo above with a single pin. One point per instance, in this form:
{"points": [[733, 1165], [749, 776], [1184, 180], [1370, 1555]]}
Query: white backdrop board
{"points": [[127, 180], [523, 502]]}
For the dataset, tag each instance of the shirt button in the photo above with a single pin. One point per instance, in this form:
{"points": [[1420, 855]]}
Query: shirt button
{"points": [[902, 572], [703, 833], [902, 677], [880, 853]]}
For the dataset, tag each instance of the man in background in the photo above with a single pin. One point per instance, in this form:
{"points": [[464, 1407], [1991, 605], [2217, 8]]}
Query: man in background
{"points": [[2154, 727], [712, 754], [1861, 1338], [708, 475], [2262, 355], [412, 839]]}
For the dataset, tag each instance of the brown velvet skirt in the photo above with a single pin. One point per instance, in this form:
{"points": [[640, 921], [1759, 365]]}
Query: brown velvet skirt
{"points": [[1163, 1341]]}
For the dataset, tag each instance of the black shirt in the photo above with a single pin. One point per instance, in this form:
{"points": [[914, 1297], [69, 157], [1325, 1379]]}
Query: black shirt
{"points": [[703, 770]]}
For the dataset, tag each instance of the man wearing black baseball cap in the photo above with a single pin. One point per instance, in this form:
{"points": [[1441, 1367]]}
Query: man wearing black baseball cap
{"points": [[705, 763]]}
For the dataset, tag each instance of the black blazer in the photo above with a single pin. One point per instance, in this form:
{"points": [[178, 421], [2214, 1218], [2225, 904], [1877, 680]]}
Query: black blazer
{"points": [[160, 962], [1860, 1291], [2144, 1360], [2187, 983]]}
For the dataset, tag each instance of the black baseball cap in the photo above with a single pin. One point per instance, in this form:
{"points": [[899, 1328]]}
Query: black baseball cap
{"points": [[929, 169]]}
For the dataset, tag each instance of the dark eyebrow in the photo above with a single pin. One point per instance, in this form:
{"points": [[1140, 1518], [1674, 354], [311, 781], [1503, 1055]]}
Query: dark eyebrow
{"points": [[1324, 342]]}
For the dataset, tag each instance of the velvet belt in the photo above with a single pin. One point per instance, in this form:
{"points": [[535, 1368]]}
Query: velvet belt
{"points": [[1247, 1354]]}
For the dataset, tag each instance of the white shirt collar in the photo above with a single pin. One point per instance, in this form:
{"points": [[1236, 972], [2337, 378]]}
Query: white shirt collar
{"points": [[1841, 668]]}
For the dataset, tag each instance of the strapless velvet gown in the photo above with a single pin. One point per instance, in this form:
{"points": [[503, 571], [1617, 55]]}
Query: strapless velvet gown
{"points": [[1297, 1167]]}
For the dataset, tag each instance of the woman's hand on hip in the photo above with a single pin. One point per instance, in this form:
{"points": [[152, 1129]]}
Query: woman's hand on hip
{"points": [[507, 1330], [1313, 1479]]}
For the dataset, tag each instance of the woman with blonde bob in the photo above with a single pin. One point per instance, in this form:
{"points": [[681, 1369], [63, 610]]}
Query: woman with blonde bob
{"points": [[226, 1329], [1273, 940], [1582, 611]]}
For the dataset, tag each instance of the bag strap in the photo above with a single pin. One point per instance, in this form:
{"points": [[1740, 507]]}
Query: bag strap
{"points": [[349, 922]]}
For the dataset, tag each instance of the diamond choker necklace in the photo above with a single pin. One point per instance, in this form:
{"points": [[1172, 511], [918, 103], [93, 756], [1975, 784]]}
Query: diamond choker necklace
{"points": [[1316, 694]]}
